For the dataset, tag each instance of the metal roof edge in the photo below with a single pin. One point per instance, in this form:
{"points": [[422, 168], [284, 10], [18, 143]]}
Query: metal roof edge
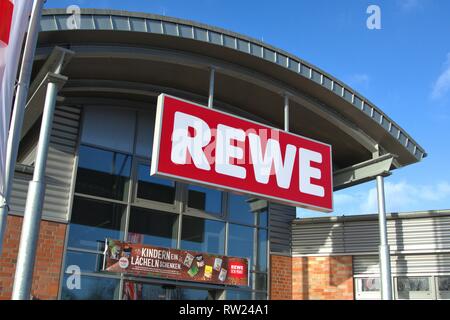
{"points": [[374, 217], [124, 13]]}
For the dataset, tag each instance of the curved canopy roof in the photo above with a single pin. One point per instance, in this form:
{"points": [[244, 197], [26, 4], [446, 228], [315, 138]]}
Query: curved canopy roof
{"points": [[124, 56]]}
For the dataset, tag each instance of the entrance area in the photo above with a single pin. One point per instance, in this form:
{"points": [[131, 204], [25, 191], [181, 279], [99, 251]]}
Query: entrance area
{"points": [[145, 291]]}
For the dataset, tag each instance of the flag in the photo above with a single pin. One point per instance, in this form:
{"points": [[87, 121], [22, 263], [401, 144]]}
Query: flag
{"points": [[14, 19]]}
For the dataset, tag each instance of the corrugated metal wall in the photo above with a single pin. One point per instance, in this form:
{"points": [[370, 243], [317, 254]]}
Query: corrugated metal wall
{"points": [[404, 264], [280, 220], [341, 236], [59, 171]]}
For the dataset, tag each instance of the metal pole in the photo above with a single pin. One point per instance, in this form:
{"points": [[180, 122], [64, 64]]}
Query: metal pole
{"points": [[211, 88], [384, 254], [286, 113], [19, 110], [33, 208]]}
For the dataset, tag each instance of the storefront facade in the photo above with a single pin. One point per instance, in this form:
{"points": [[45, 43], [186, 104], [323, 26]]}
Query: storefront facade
{"points": [[114, 66]]}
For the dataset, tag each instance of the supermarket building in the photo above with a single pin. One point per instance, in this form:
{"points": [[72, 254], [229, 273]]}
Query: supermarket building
{"points": [[109, 72]]}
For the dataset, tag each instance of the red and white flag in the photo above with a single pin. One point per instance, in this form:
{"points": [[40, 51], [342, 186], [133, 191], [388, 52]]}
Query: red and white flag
{"points": [[14, 19]]}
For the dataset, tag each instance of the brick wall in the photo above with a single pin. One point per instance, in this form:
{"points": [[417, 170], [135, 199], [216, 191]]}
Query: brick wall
{"points": [[312, 278], [280, 277], [48, 263]]}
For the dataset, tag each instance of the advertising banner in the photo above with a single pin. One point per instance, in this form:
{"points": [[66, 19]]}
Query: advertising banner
{"points": [[200, 145], [145, 260]]}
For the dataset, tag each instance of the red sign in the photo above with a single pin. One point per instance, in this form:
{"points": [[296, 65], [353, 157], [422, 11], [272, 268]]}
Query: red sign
{"points": [[196, 144], [6, 13], [144, 260]]}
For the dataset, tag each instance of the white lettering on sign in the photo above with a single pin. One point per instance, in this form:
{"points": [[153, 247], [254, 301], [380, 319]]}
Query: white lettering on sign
{"points": [[182, 142], [192, 143], [307, 172], [225, 151], [262, 164]]}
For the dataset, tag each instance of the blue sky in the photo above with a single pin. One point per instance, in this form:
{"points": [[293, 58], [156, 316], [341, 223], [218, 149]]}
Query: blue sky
{"points": [[404, 69]]}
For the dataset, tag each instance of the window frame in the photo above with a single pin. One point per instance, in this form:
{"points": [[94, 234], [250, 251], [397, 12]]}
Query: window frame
{"points": [[147, 203]]}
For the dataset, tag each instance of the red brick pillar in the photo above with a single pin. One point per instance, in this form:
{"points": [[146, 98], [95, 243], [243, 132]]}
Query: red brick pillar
{"points": [[280, 277], [48, 262]]}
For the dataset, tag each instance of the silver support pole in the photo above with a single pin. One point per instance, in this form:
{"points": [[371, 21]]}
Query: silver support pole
{"points": [[19, 110], [35, 200], [211, 88], [384, 253], [286, 113]]}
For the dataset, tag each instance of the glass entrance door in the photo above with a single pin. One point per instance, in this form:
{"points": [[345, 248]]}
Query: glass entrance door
{"points": [[145, 291]]}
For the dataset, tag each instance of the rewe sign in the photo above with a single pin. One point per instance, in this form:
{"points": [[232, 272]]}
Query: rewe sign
{"points": [[195, 144]]}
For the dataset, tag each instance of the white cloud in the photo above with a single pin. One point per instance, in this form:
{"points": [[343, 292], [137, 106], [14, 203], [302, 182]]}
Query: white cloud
{"points": [[359, 81], [400, 196], [442, 85]]}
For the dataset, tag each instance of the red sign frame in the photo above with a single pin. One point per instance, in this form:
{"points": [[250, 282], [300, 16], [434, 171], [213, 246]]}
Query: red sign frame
{"points": [[298, 170]]}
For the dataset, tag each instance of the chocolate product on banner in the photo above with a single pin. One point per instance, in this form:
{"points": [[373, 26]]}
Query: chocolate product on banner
{"points": [[208, 272], [200, 261], [223, 275], [188, 260], [193, 270], [217, 264]]}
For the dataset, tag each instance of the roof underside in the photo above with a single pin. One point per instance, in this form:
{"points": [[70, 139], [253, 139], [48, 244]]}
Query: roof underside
{"points": [[124, 58]]}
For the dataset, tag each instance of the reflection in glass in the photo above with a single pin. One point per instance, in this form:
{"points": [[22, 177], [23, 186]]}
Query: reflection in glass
{"points": [[203, 235], [261, 262], [444, 283], [154, 188], [238, 295], [240, 209], [407, 284], [91, 288], [370, 284], [87, 262], [143, 291], [93, 221], [205, 199], [260, 280], [153, 228], [103, 173], [241, 242]]}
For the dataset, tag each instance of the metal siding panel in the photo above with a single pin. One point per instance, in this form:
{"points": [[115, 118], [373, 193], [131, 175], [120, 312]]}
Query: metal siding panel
{"points": [[280, 220], [415, 234], [404, 264]]}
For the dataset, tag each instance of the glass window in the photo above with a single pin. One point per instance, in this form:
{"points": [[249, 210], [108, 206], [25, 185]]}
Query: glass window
{"points": [[261, 262], [103, 173], [91, 288], [241, 241], [413, 287], [238, 295], [142, 291], [203, 235], [247, 210], [192, 294], [370, 284], [154, 188], [260, 280], [109, 127], [205, 199], [444, 284], [144, 138], [153, 228], [263, 219], [240, 209], [87, 262], [93, 221]]}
